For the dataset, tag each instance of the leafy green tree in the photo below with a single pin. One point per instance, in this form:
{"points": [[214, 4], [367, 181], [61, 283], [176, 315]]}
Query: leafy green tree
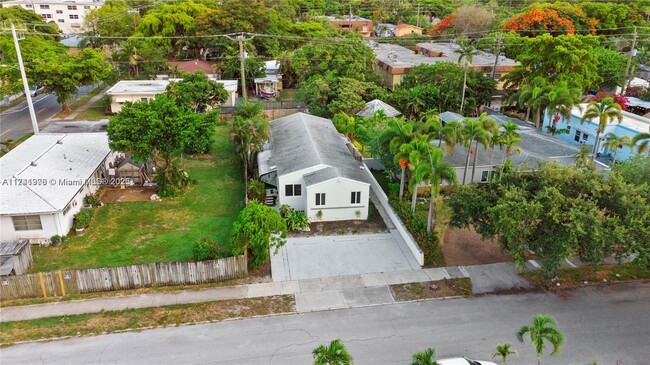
{"points": [[333, 354], [503, 350], [112, 19], [635, 170], [139, 59], [424, 358], [257, 230], [604, 112], [155, 130], [328, 95], [197, 92], [611, 67], [569, 58], [614, 142], [542, 330], [63, 74]]}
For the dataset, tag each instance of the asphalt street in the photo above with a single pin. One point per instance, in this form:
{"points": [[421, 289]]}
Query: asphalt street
{"points": [[15, 122], [610, 325]]}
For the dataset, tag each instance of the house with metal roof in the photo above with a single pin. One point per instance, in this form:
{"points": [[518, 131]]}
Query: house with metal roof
{"points": [[310, 166], [44, 181], [378, 105]]}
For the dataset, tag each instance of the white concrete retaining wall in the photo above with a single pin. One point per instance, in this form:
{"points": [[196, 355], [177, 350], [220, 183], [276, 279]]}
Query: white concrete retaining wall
{"points": [[406, 235]]}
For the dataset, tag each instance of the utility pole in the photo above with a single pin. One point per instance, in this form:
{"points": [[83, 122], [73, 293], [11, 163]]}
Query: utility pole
{"points": [[242, 63], [28, 95], [630, 54], [496, 56], [418, 18]]}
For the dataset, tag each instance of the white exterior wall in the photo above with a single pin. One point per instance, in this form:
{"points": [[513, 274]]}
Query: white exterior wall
{"points": [[63, 20], [338, 204], [118, 100], [477, 175], [48, 222], [296, 202]]}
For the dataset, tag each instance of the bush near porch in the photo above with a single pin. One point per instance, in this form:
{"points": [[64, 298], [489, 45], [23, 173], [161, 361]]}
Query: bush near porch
{"points": [[142, 232]]}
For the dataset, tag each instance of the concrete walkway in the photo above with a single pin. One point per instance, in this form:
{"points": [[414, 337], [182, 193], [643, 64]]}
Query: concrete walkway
{"points": [[88, 104], [311, 295]]}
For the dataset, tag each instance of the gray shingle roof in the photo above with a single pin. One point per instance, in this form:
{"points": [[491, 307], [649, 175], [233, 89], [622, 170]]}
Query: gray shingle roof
{"points": [[375, 105], [301, 141]]}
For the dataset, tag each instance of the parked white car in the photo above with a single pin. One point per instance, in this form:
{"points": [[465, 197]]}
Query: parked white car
{"points": [[36, 90], [463, 361]]}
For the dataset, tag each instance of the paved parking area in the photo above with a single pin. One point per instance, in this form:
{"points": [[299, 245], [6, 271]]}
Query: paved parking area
{"points": [[326, 256]]}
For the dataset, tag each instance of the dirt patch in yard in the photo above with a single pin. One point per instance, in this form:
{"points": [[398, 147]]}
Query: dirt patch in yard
{"points": [[466, 247], [130, 194], [432, 289], [374, 224]]}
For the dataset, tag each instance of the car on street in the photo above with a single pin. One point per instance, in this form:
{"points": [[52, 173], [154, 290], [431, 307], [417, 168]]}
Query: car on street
{"points": [[36, 90], [463, 361]]}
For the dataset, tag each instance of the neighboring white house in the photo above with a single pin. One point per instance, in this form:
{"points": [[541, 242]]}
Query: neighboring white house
{"points": [[143, 90], [310, 165], [44, 181], [69, 15]]}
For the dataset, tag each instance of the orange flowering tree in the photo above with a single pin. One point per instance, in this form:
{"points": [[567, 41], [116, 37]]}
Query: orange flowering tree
{"points": [[446, 23], [538, 20]]}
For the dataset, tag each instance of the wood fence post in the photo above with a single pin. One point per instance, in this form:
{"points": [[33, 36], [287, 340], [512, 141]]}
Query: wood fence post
{"points": [[62, 285], [40, 277]]}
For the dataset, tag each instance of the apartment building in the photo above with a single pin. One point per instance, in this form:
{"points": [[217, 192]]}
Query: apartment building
{"points": [[69, 15]]}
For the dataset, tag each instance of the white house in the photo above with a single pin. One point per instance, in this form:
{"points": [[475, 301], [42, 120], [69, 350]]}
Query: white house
{"points": [[44, 181], [143, 90], [69, 15], [310, 165], [585, 133]]}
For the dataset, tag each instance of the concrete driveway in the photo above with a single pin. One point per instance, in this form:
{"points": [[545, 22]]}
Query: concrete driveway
{"points": [[325, 256]]}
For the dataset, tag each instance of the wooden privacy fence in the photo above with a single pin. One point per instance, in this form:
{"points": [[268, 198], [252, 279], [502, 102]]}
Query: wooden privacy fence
{"points": [[62, 282]]}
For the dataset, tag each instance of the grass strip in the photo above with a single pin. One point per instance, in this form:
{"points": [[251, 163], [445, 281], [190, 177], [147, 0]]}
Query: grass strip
{"points": [[443, 288], [588, 275], [133, 319]]}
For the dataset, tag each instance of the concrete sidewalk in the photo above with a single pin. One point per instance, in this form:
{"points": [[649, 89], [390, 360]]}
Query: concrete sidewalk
{"points": [[311, 295]]}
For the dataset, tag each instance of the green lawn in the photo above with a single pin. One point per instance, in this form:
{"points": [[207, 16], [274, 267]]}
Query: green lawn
{"points": [[141, 232], [94, 112]]}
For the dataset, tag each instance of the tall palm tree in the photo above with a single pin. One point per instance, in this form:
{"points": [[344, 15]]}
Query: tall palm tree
{"points": [[531, 96], [424, 358], [604, 112], [503, 350], [614, 142], [248, 137], [466, 52], [471, 132], [415, 152], [334, 354], [643, 141], [542, 330], [434, 170], [490, 126], [510, 137]]}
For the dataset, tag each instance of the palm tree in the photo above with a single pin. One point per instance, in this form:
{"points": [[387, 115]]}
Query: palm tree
{"points": [[542, 330], [466, 52], [447, 133], [604, 112], [561, 100], [509, 137], [583, 157], [424, 358], [614, 142], [415, 153], [396, 134], [643, 140], [434, 170], [531, 96], [249, 110], [473, 131], [248, 136], [334, 354], [491, 128], [503, 351]]}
